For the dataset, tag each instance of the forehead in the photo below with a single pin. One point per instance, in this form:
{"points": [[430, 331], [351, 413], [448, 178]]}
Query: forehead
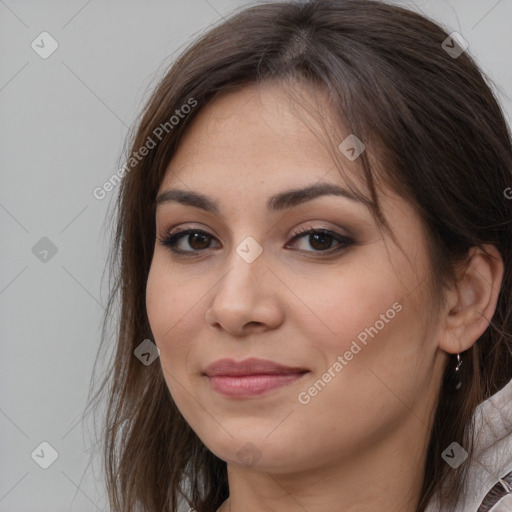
{"points": [[256, 134]]}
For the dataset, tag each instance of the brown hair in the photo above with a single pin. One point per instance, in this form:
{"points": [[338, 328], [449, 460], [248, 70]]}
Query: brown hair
{"points": [[441, 140]]}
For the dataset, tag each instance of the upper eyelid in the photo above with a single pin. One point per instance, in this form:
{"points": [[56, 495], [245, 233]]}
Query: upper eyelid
{"points": [[301, 231]]}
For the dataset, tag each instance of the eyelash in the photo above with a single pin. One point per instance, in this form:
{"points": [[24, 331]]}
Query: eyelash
{"points": [[173, 238]]}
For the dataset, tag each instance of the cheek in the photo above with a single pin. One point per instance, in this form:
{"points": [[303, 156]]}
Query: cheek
{"points": [[171, 306], [362, 391], [374, 366], [336, 309], [375, 324]]}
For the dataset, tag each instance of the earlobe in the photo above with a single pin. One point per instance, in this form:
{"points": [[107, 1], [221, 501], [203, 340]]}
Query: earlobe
{"points": [[471, 305]]}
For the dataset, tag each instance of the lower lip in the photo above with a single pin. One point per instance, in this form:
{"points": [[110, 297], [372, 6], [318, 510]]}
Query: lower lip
{"points": [[251, 385]]}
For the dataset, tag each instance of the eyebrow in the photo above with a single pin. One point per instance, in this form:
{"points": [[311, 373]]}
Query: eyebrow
{"points": [[278, 202]]}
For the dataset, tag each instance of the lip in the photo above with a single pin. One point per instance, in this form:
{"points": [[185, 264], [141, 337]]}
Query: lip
{"points": [[250, 377], [252, 366]]}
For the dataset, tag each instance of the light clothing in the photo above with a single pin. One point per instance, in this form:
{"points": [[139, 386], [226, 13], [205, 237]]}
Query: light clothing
{"points": [[492, 458]]}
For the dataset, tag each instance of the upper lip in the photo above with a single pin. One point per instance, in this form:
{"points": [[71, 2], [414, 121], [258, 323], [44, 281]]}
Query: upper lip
{"points": [[251, 366]]}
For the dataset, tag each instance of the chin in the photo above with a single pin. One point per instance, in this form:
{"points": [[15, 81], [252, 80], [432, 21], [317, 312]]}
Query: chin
{"points": [[258, 451]]}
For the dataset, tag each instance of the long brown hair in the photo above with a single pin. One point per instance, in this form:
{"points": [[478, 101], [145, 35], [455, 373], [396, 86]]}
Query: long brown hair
{"points": [[435, 127]]}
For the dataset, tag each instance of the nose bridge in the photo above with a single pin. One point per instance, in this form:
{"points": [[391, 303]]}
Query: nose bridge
{"points": [[240, 296], [246, 264]]}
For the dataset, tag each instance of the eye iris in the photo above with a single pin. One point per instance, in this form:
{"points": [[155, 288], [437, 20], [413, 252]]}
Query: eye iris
{"points": [[193, 237], [322, 237]]}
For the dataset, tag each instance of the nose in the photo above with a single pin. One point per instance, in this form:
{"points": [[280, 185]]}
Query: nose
{"points": [[246, 298]]}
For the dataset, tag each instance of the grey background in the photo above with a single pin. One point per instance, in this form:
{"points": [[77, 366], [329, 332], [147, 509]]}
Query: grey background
{"points": [[63, 124]]}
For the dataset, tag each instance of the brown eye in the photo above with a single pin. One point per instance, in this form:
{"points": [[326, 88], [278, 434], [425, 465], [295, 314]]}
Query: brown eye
{"points": [[196, 239], [321, 241]]}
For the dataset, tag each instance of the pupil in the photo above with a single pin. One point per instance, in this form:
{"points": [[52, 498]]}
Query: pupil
{"points": [[321, 235]]}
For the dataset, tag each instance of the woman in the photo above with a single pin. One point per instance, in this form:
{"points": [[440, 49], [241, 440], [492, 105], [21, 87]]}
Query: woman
{"points": [[313, 263]]}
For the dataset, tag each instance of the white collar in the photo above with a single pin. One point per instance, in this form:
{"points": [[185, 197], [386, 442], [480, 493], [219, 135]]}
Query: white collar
{"points": [[492, 457]]}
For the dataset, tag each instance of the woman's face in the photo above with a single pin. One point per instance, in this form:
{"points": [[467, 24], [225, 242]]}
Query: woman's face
{"points": [[349, 311]]}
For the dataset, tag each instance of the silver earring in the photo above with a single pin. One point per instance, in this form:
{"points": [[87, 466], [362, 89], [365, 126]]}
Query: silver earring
{"points": [[457, 374]]}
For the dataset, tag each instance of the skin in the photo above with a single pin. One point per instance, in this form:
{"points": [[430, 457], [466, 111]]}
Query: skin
{"points": [[360, 443]]}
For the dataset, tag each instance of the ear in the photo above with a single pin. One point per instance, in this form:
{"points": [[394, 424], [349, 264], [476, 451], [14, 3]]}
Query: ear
{"points": [[472, 303]]}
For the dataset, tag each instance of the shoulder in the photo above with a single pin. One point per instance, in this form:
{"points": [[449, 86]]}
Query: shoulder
{"points": [[489, 478]]}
